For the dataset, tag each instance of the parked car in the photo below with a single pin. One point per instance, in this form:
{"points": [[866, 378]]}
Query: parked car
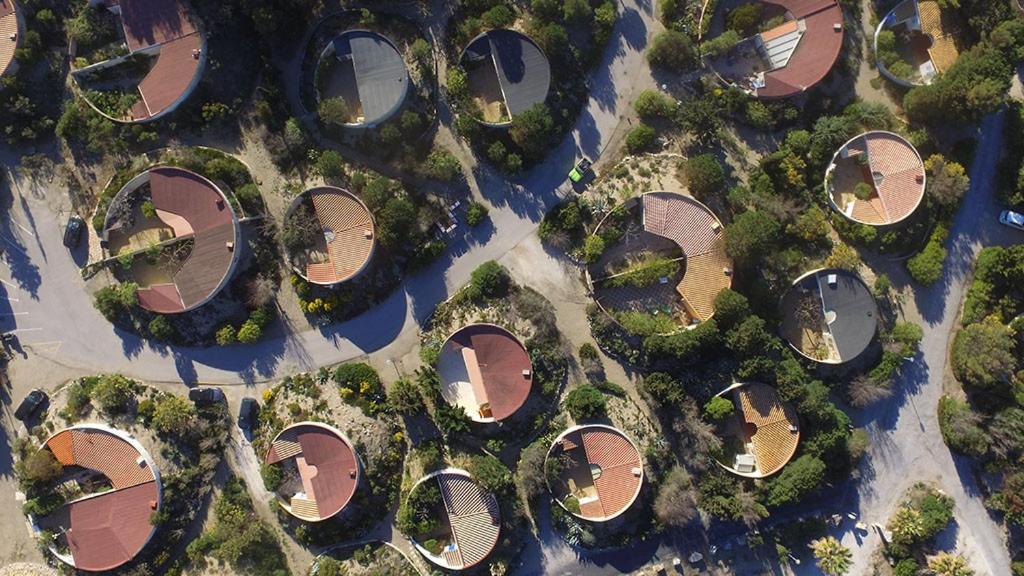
{"points": [[205, 395], [73, 231], [30, 404], [1012, 219], [579, 171], [247, 413]]}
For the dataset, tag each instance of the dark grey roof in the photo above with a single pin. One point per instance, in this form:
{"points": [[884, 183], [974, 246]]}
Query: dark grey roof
{"points": [[381, 77], [856, 312], [522, 68]]}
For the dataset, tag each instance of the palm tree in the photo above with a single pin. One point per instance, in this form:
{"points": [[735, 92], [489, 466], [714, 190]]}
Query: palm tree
{"points": [[906, 525], [946, 564], [833, 558]]}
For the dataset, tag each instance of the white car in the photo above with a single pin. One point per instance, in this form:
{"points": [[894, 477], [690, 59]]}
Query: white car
{"points": [[1012, 219]]}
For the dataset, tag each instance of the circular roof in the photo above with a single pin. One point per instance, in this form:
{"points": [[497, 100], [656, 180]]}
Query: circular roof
{"points": [[767, 424], [108, 529], [349, 235], [876, 178], [326, 470], [185, 206], [373, 80], [829, 315], [10, 35], [508, 74], [474, 520], [599, 470], [486, 370]]}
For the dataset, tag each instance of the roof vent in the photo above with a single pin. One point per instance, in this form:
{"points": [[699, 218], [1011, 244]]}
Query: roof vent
{"points": [[230, 245], [368, 234], [833, 279], [152, 504], [919, 178], [14, 36], [793, 428], [196, 53], [351, 472], [220, 203], [838, 27], [727, 271], [716, 226], [141, 462], [526, 373], [638, 471]]}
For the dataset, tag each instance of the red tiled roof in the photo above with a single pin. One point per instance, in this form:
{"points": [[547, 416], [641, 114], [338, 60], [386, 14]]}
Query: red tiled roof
{"points": [[897, 173], [169, 78], [151, 22], [774, 441], [617, 486], [353, 235], [500, 362], [817, 52], [8, 28], [6, 8], [102, 451], [331, 469], [204, 212], [108, 530]]}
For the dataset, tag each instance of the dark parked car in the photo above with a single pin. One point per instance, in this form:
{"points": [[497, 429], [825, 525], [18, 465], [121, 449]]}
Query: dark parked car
{"points": [[30, 404], [205, 395], [73, 231], [247, 413]]}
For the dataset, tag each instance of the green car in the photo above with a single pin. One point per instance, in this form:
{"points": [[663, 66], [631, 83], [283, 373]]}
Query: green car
{"points": [[580, 170]]}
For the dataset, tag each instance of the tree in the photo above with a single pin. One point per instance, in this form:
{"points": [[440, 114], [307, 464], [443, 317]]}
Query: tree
{"points": [[333, 111], [960, 427], [499, 16], [490, 474], [799, 478], [301, 229], [976, 84], [653, 104], [249, 332], [844, 257], [226, 335], [640, 139], [864, 391], [173, 415], [585, 402], [489, 280], [719, 408], [405, 397], [476, 213], [576, 10], [673, 51], [160, 328], [422, 53], [1010, 498], [926, 266], [984, 354], [593, 247], [40, 468], [833, 558], [395, 221], [676, 502], [113, 393], [531, 460], [947, 181], [705, 176], [745, 19], [442, 165], [330, 165], [948, 564], [751, 235], [533, 129], [451, 420], [731, 308]]}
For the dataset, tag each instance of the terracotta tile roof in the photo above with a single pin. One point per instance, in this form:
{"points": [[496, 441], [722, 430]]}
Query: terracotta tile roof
{"points": [[896, 171], [616, 457], [495, 362], [108, 530], [151, 22], [169, 79], [474, 518], [774, 443], [329, 467], [350, 228], [102, 451], [816, 53], [8, 28], [943, 31], [192, 204], [699, 234]]}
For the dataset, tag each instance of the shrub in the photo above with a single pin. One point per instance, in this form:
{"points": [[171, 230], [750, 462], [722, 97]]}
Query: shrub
{"points": [[489, 280], [476, 213], [585, 402], [593, 247], [926, 266], [451, 420], [984, 354], [249, 332], [330, 165], [673, 51], [705, 176], [113, 393], [653, 104], [799, 478], [751, 235], [272, 477], [160, 328], [173, 415], [533, 129], [647, 272], [442, 165], [719, 408], [333, 111], [960, 427], [640, 139], [226, 335]]}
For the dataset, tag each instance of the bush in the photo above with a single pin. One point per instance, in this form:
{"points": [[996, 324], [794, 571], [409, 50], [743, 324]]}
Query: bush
{"points": [[173, 415], [533, 129], [333, 111], [705, 176], [226, 335], [751, 236], [161, 329], [451, 420], [984, 354], [731, 308], [491, 475], [719, 408], [672, 50], [272, 477], [585, 402], [489, 280], [442, 165], [476, 213], [960, 428], [330, 165], [640, 139], [113, 393], [926, 266], [647, 272], [593, 247], [653, 104], [799, 478], [249, 332]]}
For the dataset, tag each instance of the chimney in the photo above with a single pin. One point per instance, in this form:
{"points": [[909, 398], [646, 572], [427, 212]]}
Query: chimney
{"points": [[368, 234], [230, 245]]}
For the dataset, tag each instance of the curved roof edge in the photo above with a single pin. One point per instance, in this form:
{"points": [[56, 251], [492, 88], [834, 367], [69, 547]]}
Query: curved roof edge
{"points": [[294, 204], [791, 452]]}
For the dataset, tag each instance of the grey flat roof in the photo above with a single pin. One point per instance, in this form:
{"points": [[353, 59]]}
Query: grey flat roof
{"points": [[521, 66], [381, 77], [856, 312]]}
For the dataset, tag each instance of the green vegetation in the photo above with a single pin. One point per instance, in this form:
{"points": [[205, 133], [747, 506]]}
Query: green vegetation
{"points": [[360, 385], [646, 272], [640, 139], [585, 402], [833, 558], [719, 408], [673, 51], [489, 280], [926, 266]]}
